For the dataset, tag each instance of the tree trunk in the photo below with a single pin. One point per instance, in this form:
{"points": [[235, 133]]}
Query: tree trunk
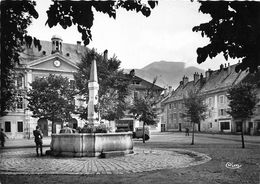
{"points": [[52, 125], [193, 129], [242, 135], [143, 133]]}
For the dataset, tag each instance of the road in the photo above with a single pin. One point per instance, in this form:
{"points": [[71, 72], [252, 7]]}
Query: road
{"points": [[159, 167]]}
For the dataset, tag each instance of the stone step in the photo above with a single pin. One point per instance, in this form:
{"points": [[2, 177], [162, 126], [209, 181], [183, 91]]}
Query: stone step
{"points": [[111, 154]]}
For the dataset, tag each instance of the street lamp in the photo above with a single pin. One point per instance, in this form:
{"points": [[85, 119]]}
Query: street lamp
{"points": [[27, 120]]}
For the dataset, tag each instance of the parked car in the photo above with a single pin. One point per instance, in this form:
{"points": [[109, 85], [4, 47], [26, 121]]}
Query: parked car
{"points": [[138, 133]]}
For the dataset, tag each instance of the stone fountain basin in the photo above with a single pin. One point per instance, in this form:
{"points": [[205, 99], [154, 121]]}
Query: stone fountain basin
{"points": [[90, 144]]}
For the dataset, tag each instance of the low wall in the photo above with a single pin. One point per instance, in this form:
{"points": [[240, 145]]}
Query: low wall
{"points": [[90, 144]]}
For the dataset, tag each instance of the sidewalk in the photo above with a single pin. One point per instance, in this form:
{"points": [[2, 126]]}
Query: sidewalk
{"points": [[25, 143], [29, 143], [231, 137]]}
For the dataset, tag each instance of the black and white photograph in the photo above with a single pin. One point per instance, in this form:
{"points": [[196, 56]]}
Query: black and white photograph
{"points": [[129, 91]]}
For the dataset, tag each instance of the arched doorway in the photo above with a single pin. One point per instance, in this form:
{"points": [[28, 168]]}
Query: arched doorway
{"points": [[43, 124], [73, 123]]}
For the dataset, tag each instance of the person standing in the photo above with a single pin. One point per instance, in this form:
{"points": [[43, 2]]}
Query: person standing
{"points": [[2, 137], [187, 132], [38, 139]]}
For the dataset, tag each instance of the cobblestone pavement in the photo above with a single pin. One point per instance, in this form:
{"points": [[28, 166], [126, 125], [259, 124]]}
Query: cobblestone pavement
{"points": [[25, 162]]}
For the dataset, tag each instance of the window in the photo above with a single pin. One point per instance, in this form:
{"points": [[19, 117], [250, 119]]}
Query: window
{"points": [[72, 84], [172, 117], [222, 112], [20, 103], [19, 81], [221, 99], [228, 110], [180, 105], [210, 125], [210, 114], [19, 126], [136, 94], [170, 106], [210, 101], [224, 125], [175, 116], [7, 126]]}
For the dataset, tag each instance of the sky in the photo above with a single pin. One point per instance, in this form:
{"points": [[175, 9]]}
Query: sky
{"points": [[137, 40]]}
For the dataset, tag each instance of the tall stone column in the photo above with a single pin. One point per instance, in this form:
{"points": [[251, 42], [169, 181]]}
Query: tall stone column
{"points": [[93, 87]]}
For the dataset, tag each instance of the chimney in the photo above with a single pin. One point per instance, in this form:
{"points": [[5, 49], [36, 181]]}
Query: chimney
{"points": [[105, 54], [170, 89], [185, 80], [78, 46], [201, 76], [229, 69], [221, 67], [181, 83], [196, 77], [208, 73]]}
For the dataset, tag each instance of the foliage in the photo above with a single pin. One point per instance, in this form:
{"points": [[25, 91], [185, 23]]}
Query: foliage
{"points": [[16, 16], [194, 107], [51, 98], [113, 84], [80, 13], [143, 111], [98, 129], [142, 107], [232, 30], [242, 100]]}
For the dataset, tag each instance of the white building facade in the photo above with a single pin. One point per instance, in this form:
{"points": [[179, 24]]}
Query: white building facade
{"points": [[56, 58]]}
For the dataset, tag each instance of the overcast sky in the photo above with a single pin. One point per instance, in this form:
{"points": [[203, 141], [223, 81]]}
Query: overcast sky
{"points": [[138, 40]]}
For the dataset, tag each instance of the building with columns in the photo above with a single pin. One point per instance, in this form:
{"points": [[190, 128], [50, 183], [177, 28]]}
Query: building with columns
{"points": [[55, 57]]}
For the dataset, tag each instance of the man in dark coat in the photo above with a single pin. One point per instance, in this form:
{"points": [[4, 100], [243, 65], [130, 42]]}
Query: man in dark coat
{"points": [[38, 139], [2, 137]]}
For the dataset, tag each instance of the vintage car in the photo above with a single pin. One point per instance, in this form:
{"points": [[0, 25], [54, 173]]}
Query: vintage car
{"points": [[138, 133]]}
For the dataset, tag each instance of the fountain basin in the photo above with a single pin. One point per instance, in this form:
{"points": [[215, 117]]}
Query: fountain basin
{"points": [[90, 144]]}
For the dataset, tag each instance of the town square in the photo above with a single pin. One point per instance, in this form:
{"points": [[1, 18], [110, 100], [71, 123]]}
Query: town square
{"points": [[130, 92]]}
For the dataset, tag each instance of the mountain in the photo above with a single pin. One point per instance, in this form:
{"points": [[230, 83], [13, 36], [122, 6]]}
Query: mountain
{"points": [[169, 73]]}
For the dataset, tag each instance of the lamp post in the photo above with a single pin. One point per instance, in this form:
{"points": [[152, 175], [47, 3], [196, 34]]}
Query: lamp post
{"points": [[27, 120]]}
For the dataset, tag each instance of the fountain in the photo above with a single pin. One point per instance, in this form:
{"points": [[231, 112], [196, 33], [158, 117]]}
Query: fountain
{"points": [[91, 144]]}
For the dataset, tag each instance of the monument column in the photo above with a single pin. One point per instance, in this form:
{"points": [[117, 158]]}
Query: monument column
{"points": [[93, 87]]}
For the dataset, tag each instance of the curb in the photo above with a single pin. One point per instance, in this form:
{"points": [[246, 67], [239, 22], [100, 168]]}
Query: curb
{"points": [[17, 147]]}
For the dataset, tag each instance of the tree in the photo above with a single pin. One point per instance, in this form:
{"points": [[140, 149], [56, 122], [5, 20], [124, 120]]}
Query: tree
{"points": [[113, 84], [233, 30], [143, 110], [51, 98], [80, 13], [242, 102], [16, 16], [194, 109]]}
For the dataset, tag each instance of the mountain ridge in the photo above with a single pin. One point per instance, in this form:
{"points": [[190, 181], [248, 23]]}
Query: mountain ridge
{"points": [[169, 72]]}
